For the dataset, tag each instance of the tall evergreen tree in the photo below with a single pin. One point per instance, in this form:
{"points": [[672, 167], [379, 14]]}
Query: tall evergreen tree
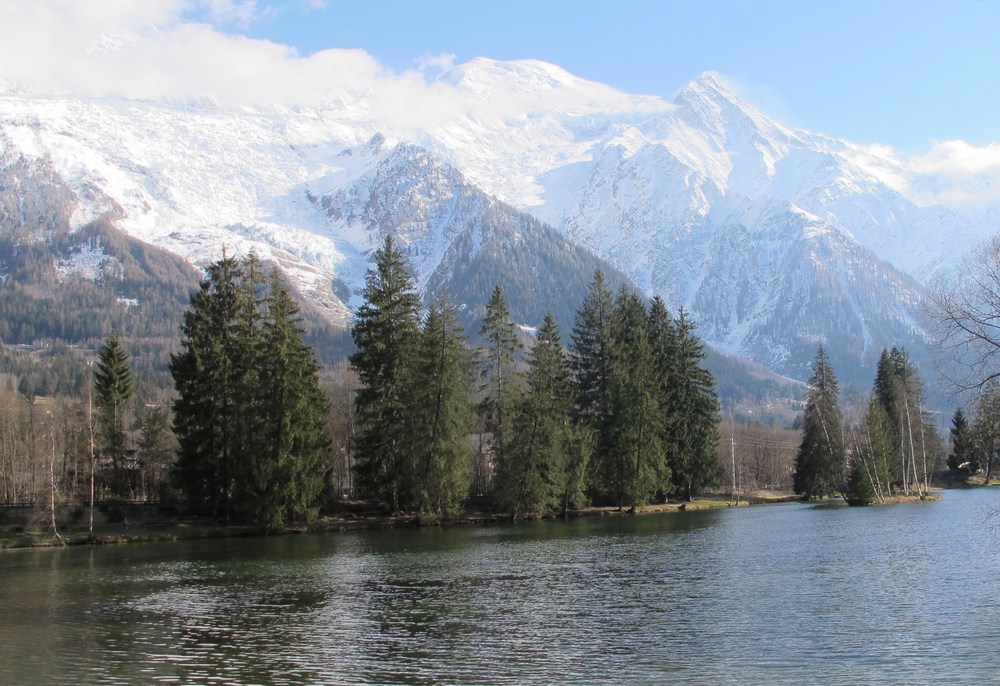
{"points": [[385, 332], [247, 360], [205, 378], [821, 459], [859, 489], [635, 466], [688, 403], [533, 477], [292, 451], [249, 414], [591, 362], [501, 342], [899, 391], [115, 386], [443, 414], [961, 450]]}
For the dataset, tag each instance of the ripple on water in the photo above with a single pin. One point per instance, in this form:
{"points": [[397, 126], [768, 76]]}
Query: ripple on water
{"points": [[785, 594]]}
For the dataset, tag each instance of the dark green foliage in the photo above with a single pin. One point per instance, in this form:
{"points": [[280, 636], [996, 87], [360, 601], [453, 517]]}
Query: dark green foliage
{"points": [[386, 333], [961, 448], [498, 361], [898, 390], [249, 415], [859, 489], [591, 353], [205, 420], [634, 468], [115, 387], [541, 469], [645, 397], [820, 463], [441, 404], [290, 453], [687, 402], [591, 362]]}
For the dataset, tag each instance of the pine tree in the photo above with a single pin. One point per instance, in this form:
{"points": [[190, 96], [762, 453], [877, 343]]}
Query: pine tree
{"points": [[292, 451], [590, 360], [498, 331], [115, 386], [246, 361], [205, 420], [443, 420], [688, 404], [821, 459], [899, 391], [961, 450], [533, 477], [859, 489], [249, 415], [635, 467], [385, 332]]}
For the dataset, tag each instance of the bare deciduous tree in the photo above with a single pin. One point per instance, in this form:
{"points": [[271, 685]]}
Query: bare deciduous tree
{"points": [[965, 309]]}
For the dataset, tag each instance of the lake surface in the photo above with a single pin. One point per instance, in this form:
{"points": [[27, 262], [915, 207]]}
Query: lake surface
{"points": [[789, 593]]}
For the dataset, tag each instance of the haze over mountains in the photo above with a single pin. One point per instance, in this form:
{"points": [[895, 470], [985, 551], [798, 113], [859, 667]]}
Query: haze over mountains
{"points": [[773, 239]]}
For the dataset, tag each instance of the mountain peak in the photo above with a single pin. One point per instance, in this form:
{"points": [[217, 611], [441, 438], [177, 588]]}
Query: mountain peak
{"points": [[483, 73], [711, 86]]}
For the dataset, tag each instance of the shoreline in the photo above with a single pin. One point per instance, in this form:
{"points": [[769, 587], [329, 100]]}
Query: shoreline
{"points": [[11, 538]]}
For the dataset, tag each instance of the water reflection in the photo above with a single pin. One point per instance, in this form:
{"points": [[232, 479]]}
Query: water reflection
{"points": [[780, 594]]}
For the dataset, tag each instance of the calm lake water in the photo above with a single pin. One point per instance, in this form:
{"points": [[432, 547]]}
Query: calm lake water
{"points": [[776, 594]]}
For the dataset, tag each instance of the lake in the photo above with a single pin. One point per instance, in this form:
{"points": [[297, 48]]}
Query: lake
{"points": [[788, 593]]}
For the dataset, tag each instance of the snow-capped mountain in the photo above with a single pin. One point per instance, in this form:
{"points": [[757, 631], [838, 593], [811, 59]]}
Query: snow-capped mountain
{"points": [[773, 239]]}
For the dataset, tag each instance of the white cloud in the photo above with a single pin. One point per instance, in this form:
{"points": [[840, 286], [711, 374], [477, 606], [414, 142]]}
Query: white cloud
{"points": [[960, 159], [148, 50], [240, 13], [957, 174], [435, 63]]}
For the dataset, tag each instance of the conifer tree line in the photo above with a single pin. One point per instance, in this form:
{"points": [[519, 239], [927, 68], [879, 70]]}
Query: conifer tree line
{"points": [[892, 448], [623, 415]]}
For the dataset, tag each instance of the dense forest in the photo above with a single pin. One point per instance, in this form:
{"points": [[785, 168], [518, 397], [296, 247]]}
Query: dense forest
{"points": [[420, 421]]}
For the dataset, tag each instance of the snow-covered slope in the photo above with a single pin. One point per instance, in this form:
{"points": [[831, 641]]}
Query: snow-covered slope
{"points": [[460, 241], [772, 238]]}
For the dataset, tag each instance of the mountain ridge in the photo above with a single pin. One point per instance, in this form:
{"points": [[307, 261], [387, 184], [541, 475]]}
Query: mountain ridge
{"points": [[701, 199]]}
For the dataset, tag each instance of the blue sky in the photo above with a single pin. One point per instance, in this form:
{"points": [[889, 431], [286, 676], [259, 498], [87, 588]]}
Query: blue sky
{"points": [[902, 73]]}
